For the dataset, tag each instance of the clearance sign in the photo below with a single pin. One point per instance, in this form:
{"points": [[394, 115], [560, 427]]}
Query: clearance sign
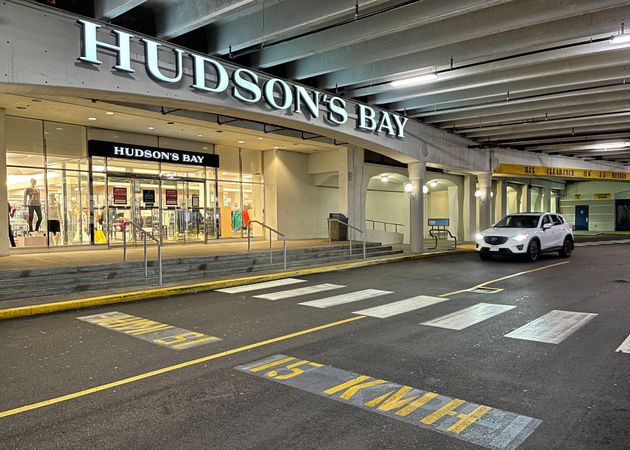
{"points": [[541, 171]]}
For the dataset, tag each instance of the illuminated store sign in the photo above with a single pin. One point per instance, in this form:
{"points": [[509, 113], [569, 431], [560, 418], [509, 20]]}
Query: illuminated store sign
{"points": [[144, 153], [243, 84]]}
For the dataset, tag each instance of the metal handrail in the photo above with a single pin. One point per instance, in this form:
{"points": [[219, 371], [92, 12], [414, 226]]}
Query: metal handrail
{"points": [[330, 219], [264, 225], [145, 234], [396, 225]]}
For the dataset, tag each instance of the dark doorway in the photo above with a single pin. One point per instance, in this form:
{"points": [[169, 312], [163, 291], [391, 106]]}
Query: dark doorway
{"points": [[581, 217], [622, 215]]}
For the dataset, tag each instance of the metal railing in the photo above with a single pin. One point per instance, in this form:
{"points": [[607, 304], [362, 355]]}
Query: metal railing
{"points": [[330, 219], [145, 235], [374, 222], [271, 230]]}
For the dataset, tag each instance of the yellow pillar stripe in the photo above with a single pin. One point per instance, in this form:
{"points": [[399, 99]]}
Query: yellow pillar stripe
{"points": [[272, 364], [446, 410], [411, 407], [172, 368], [467, 420], [196, 341]]}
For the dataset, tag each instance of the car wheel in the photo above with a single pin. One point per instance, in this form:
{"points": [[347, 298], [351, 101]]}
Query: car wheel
{"points": [[567, 248], [533, 251], [485, 256]]}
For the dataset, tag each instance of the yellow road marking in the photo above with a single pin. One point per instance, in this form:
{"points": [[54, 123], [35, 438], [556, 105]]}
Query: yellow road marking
{"points": [[482, 285], [172, 368]]}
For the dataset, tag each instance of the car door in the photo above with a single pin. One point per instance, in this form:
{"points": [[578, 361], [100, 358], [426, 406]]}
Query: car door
{"points": [[557, 230], [546, 236]]}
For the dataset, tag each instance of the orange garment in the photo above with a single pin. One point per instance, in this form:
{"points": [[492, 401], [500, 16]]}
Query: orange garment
{"points": [[245, 219]]}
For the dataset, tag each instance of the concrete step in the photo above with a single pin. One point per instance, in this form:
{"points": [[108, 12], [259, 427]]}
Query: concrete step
{"points": [[32, 284]]}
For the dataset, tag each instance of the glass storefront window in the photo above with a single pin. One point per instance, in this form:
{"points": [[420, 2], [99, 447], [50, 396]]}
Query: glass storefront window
{"points": [[65, 146], [26, 189], [253, 204], [25, 142]]}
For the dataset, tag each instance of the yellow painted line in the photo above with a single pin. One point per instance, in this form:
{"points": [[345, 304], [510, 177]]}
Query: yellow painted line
{"points": [[153, 373], [47, 308], [483, 285]]}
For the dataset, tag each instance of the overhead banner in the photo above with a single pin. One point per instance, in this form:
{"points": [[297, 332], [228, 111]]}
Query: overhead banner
{"points": [[145, 153], [560, 172]]}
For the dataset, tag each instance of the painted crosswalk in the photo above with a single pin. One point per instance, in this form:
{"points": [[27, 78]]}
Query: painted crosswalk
{"points": [[261, 286], [467, 317], [552, 328], [342, 299], [625, 346], [400, 307], [307, 290]]}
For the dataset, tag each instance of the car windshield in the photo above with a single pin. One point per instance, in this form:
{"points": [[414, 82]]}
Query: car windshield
{"points": [[518, 222]]}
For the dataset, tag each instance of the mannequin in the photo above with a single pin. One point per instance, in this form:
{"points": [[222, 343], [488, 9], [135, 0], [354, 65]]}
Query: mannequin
{"points": [[32, 201], [11, 213], [54, 224]]}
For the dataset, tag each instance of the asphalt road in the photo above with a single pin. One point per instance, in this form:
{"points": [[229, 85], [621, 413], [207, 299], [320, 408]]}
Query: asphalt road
{"points": [[574, 394]]}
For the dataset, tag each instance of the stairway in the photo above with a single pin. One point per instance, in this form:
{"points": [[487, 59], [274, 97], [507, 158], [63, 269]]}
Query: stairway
{"points": [[65, 280]]}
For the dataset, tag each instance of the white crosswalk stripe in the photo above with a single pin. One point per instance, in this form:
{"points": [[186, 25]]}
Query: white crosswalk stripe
{"points": [[625, 346], [400, 307], [260, 286], [346, 298], [299, 291], [467, 317], [552, 328]]}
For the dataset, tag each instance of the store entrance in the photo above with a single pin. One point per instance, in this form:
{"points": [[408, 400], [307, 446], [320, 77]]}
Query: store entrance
{"points": [[171, 208]]}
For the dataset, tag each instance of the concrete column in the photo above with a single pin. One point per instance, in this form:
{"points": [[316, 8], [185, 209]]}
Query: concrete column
{"points": [[485, 210], [4, 212], [352, 188], [461, 235], [500, 199], [470, 207], [453, 209], [417, 172]]}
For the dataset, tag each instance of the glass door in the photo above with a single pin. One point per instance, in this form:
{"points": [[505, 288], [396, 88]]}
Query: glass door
{"points": [[132, 199], [183, 210]]}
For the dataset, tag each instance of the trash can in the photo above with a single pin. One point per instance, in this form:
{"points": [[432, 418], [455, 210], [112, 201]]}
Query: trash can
{"points": [[337, 231]]}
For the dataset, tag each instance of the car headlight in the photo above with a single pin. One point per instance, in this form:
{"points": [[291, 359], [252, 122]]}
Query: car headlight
{"points": [[521, 237], [478, 236]]}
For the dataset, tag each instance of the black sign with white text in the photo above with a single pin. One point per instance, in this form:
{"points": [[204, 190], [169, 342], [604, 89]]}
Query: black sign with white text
{"points": [[145, 153]]}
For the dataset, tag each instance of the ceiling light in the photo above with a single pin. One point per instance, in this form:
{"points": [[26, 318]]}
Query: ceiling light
{"points": [[59, 129], [109, 113], [151, 128], [204, 148], [426, 78], [91, 118], [612, 145], [241, 142], [384, 179], [200, 135], [260, 139], [620, 39]]}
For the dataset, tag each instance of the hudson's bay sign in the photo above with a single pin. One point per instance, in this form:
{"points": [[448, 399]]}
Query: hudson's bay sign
{"points": [[243, 84]]}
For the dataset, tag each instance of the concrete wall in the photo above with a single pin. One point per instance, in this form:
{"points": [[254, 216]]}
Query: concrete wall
{"points": [[601, 211], [388, 207], [294, 204]]}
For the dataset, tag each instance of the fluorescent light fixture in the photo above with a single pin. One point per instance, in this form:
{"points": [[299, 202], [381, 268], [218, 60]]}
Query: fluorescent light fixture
{"points": [[241, 142], [620, 39], [259, 138], [612, 145], [109, 113], [91, 118], [426, 78], [151, 128]]}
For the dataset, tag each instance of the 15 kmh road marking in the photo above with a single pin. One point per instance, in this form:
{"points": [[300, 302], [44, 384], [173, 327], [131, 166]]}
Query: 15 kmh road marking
{"points": [[400, 307], [625, 346], [479, 424], [150, 330], [153, 373], [467, 317], [483, 285], [552, 328], [299, 291], [260, 286], [346, 298]]}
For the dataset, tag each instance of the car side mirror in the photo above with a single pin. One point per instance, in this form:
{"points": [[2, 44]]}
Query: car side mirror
{"points": [[547, 226]]}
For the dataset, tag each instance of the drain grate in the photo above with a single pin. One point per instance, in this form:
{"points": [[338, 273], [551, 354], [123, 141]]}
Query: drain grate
{"points": [[486, 290]]}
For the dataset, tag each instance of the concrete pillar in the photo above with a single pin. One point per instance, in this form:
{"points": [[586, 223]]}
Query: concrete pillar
{"points": [[500, 200], [470, 207], [461, 235], [485, 200], [417, 172], [4, 212], [352, 192], [453, 210]]}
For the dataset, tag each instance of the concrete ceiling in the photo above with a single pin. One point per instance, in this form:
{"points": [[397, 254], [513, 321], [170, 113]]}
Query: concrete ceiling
{"points": [[536, 75]]}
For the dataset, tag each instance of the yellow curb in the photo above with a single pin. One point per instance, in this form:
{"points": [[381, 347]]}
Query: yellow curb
{"points": [[47, 308]]}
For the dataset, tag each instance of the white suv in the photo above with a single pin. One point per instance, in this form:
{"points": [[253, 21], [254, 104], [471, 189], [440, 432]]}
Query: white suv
{"points": [[528, 234]]}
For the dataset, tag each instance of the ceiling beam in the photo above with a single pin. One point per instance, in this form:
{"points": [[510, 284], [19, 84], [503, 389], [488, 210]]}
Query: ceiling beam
{"points": [[110, 9], [182, 16], [569, 132], [494, 44], [267, 22]]}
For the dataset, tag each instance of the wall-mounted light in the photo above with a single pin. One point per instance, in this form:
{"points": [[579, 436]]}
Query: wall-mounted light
{"points": [[434, 184], [478, 193], [408, 188], [425, 189], [384, 179]]}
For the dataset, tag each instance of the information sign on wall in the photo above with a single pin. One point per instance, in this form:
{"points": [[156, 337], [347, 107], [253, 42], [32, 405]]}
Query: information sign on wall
{"points": [[171, 197], [603, 196], [120, 195], [540, 171]]}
